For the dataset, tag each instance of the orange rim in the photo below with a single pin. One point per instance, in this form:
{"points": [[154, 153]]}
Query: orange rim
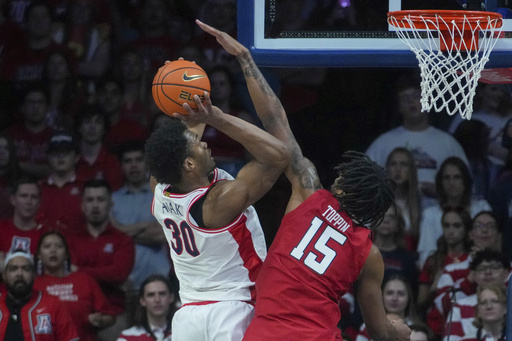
{"points": [[421, 17]]}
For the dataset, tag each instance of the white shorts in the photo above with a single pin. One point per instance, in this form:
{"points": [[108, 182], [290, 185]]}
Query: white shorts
{"points": [[219, 321]]}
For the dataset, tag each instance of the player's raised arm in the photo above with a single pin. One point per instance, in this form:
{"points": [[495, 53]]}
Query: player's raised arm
{"points": [[227, 199], [301, 172]]}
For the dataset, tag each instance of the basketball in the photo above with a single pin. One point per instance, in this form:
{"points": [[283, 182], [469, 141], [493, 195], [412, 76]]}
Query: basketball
{"points": [[176, 83]]}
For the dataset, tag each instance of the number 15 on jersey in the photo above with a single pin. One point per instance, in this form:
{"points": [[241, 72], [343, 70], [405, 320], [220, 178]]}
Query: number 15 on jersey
{"points": [[321, 246]]}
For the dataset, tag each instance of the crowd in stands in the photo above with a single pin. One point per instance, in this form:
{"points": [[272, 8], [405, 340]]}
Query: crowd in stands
{"points": [[75, 199]]}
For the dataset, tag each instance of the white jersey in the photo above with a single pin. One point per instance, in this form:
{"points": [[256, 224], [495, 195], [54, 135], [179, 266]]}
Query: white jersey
{"points": [[211, 264]]}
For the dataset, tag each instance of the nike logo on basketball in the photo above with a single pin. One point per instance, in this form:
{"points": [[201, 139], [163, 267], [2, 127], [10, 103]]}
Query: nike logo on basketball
{"points": [[188, 78]]}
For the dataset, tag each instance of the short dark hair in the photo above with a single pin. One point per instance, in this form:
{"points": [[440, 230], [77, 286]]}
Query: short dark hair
{"points": [[130, 146], [89, 111], [367, 192], [97, 183], [487, 255], [489, 213], [166, 150], [25, 180]]}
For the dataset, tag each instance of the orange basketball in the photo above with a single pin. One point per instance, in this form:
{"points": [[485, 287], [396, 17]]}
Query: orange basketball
{"points": [[176, 83]]}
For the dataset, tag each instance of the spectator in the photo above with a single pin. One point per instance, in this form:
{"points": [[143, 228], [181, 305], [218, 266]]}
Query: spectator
{"points": [[388, 236], [79, 293], [9, 173], [492, 107], [473, 136], [131, 214], [421, 332], [21, 231], [110, 94], [398, 299], [452, 247], [154, 312], [491, 311], [31, 135], [402, 170], [24, 65], [102, 251], [229, 155], [153, 40], [429, 146], [60, 192], [136, 78], [454, 189], [96, 161], [66, 92], [28, 314], [487, 268]]}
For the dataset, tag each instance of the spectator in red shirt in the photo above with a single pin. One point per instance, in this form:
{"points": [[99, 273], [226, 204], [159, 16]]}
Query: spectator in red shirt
{"points": [[95, 160], [22, 231], [31, 135], [28, 314], [10, 172], [110, 97], [60, 192], [78, 291], [102, 251]]}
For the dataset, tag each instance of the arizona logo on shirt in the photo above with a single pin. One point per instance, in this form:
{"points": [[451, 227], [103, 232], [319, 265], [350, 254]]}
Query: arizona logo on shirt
{"points": [[108, 248], [20, 243], [44, 324]]}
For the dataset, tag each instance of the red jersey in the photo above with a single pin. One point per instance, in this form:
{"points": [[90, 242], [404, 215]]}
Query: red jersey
{"points": [[109, 259], [43, 318], [14, 238], [314, 259], [61, 206], [106, 167], [30, 147], [80, 295]]}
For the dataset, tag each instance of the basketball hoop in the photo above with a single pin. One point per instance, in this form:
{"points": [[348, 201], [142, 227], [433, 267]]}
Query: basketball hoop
{"points": [[452, 48]]}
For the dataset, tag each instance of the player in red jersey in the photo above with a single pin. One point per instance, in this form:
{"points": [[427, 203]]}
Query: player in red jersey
{"points": [[322, 246]]}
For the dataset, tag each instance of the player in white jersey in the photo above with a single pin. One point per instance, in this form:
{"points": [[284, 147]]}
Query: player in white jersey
{"points": [[215, 238]]}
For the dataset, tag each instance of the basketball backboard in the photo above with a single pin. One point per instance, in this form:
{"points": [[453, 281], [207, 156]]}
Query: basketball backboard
{"points": [[339, 33]]}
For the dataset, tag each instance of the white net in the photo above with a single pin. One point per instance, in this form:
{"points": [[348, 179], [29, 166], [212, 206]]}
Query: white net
{"points": [[450, 66]]}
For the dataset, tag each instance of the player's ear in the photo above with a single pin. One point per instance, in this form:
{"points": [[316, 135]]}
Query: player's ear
{"points": [[188, 164]]}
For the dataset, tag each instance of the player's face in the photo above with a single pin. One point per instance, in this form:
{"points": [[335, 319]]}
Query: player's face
{"points": [[133, 166], [157, 299], [19, 277], [453, 228], [96, 204], [484, 232], [4, 153], [52, 252], [453, 184], [26, 201], [398, 168], [62, 161], [490, 307], [395, 297], [92, 129], [200, 153]]}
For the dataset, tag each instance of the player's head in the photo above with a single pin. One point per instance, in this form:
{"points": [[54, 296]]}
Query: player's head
{"points": [[363, 189], [171, 150]]}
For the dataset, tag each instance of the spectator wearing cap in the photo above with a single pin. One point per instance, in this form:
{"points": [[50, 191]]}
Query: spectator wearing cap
{"points": [[500, 195], [30, 136], [28, 314], [60, 191], [96, 161]]}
